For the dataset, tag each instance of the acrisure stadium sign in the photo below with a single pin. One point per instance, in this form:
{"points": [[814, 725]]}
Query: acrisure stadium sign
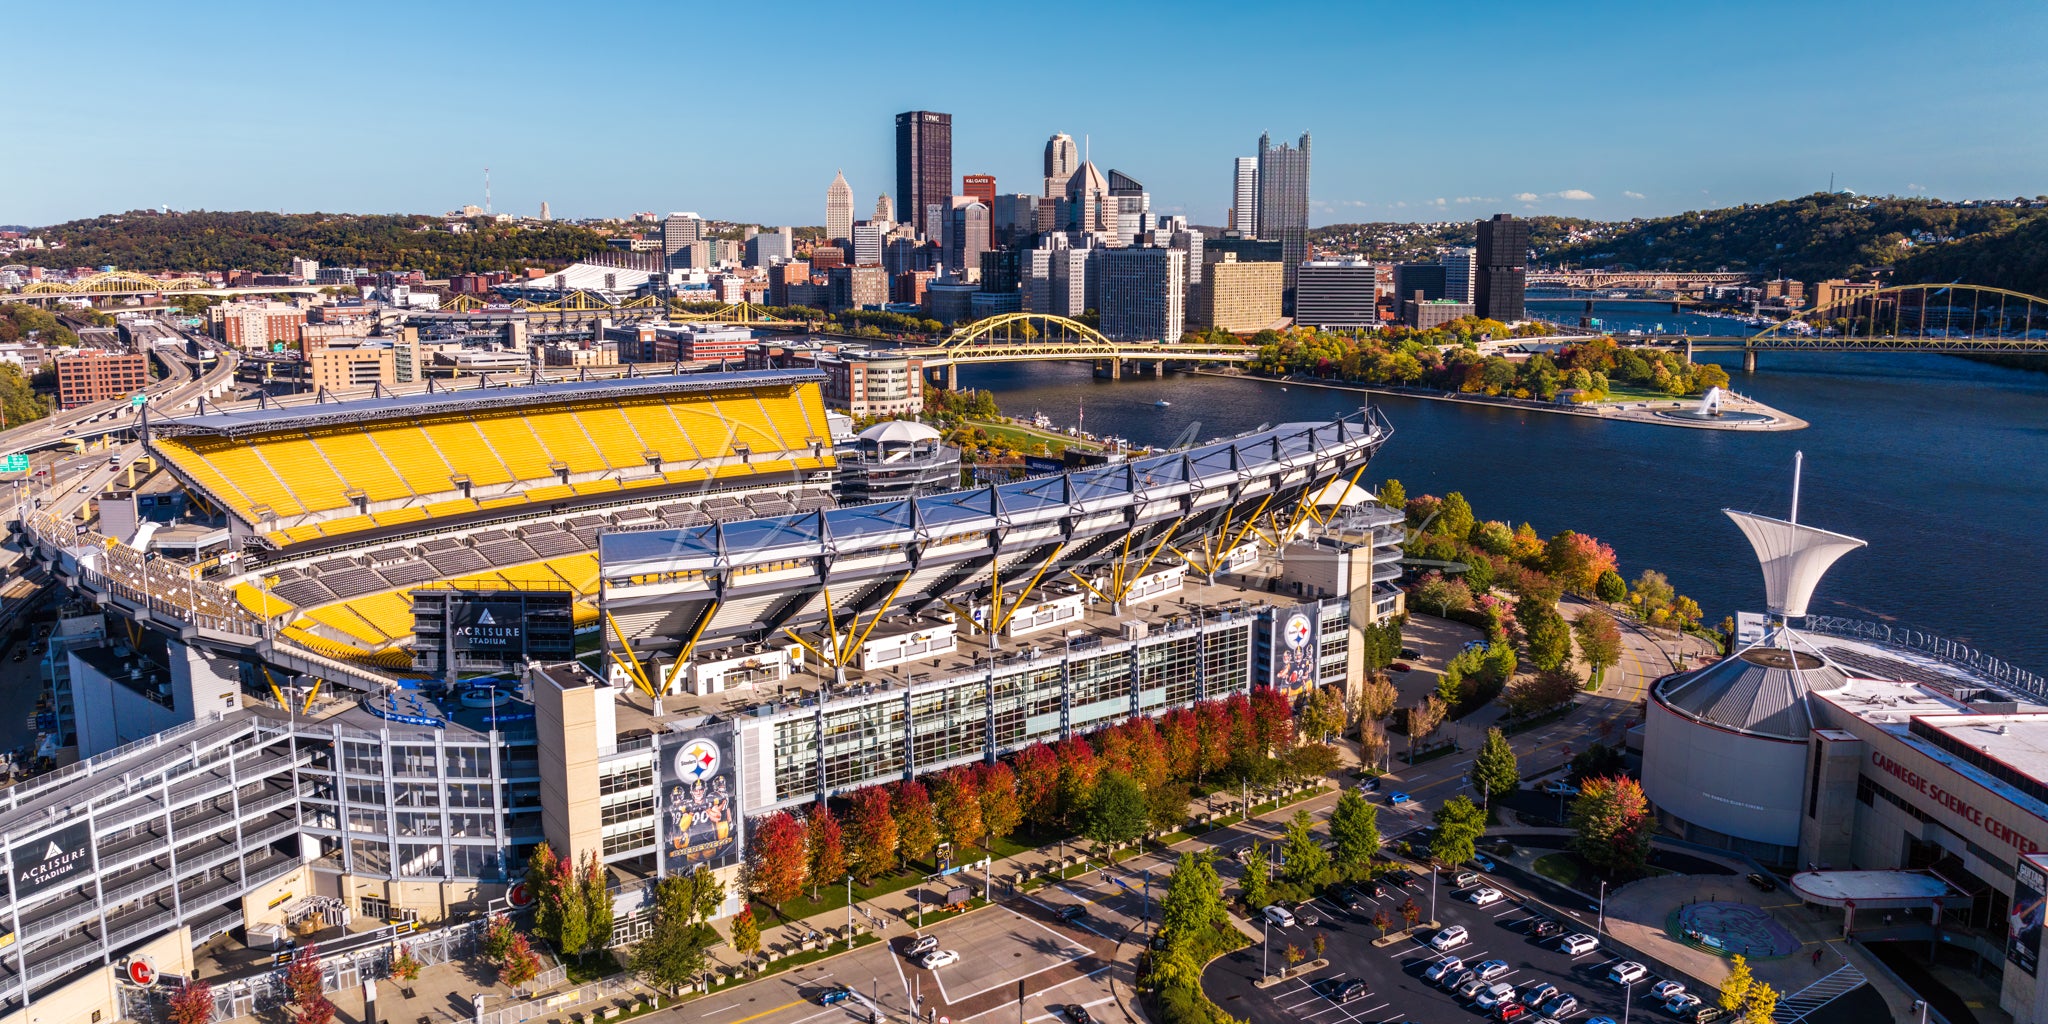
{"points": [[50, 861]]}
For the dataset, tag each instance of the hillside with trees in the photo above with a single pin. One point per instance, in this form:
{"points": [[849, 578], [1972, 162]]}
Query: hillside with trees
{"points": [[2016, 258], [1385, 240], [1811, 238], [147, 241]]}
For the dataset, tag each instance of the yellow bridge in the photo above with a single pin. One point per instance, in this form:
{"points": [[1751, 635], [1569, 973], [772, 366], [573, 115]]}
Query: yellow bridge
{"points": [[117, 283], [1950, 319], [1043, 337]]}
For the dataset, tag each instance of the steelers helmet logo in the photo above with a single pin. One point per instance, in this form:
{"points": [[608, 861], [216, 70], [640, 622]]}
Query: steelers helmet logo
{"points": [[697, 761], [1297, 631]]}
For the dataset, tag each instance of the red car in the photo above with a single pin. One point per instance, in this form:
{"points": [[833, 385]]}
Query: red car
{"points": [[1510, 1011], [1399, 666]]}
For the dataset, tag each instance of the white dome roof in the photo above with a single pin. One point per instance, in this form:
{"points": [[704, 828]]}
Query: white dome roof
{"points": [[1342, 492], [898, 432]]}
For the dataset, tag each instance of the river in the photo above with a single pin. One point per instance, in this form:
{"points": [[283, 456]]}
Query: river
{"points": [[1940, 463]]}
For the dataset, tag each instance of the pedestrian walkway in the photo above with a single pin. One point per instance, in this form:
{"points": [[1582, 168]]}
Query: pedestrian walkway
{"points": [[1801, 1004]]}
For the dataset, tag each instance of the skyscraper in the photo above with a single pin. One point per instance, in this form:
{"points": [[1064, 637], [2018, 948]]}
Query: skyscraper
{"points": [[1244, 191], [1144, 294], [885, 211], [867, 243], [1283, 206], [981, 186], [1061, 161], [1461, 270], [1503, 268], [924, 165], [678, 230], [839, 209], [967, 239]]}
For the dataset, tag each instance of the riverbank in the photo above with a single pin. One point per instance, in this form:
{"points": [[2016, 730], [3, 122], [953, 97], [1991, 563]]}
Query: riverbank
{"points": [[1755, 416]]}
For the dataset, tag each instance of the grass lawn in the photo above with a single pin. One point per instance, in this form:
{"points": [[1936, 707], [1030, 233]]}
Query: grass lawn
{"points": [[1631, 393]]}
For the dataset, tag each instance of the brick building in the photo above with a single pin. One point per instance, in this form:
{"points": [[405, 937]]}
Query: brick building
{"points": [[90, 377]]}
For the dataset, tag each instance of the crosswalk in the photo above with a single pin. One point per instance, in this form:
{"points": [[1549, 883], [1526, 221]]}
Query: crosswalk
{"points": [[1801, 1004]]}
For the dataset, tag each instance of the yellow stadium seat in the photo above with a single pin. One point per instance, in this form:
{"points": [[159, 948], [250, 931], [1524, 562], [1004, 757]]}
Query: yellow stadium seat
{"points": [[750, 422], [617, 440], [595, 486], [513, 441], [708, 432], [468, 450], [363, 464], [550, 493], [423, 466], [341, 619], [390, 612], [680, 476], [456, 507], [504, 501], [252, 476], [261, 602], [657, 426], [566, 442], [346, 524]]}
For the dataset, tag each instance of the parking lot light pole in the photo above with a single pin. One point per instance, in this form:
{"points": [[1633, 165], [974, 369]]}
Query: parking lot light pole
{"points": [[1628, 995], [1265, 949], [1601, 927], [1432, 893]]}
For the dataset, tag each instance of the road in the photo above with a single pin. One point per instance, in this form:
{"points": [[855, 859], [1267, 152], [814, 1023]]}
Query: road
{"points": [[172, 392]]}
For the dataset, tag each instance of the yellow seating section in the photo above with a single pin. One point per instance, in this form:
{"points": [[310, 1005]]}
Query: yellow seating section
{"points": [[299, 472]]}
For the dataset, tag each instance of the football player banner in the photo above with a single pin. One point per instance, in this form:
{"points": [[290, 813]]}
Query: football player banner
{"points": [[699, 817]]}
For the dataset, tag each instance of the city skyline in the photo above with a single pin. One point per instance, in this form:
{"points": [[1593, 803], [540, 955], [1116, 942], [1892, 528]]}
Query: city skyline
{"points": [[1587, 135]]}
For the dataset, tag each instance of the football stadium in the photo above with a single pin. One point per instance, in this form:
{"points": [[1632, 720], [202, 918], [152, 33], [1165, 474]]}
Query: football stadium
{"points": [[359, 657]]}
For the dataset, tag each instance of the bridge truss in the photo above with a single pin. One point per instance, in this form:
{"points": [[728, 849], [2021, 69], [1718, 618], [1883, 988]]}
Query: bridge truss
{"points": [[117, 282], [1023, 337], [1950, 318]]}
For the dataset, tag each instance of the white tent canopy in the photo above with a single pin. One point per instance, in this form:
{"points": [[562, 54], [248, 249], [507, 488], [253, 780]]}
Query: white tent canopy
{"points": [[898, 432], [1794, 558]]}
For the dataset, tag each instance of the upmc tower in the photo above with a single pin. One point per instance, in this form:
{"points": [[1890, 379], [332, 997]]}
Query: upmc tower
{"points": [[924, 166]]}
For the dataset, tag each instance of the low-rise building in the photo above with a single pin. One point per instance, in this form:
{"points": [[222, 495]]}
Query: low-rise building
{"points": [[1425, 313], [89, 377]]}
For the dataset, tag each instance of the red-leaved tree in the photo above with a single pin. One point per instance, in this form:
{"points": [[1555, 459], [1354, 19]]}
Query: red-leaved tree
{"points": [[1001, 810], [1614, 825], [825, 846], [917, 826], [1038, 783], [776, 864], [1078, 769], [1180, 731], [871, 835], [1577, 560], [192, 1004], [959, 806]]}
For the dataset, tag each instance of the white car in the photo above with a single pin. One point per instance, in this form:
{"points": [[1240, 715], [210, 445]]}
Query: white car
{"points": [[1450, 938], [1280, 915], [1627, 972], [1559, 787], [1665, 989], [1493, 995], [1681, 1004], [1448, 967], [1578, 944], [1484, 896], [1492, 969], [938, 958]]}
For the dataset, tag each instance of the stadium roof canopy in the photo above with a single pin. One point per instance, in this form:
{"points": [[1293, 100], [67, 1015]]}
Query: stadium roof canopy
{"points": [[266, 420]]}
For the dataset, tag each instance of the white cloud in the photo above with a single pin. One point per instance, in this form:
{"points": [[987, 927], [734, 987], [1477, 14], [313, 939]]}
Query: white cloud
{"points": [[1632, 195], [1526, 197], [1438, 201], [1575, 194], [1914, 186]]}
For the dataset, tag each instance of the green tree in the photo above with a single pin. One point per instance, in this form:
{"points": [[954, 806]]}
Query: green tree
{"points": [[1355, 829], [1393, 495], [1117, 812], [1494, 771], [543, 885], [1454, 518], [1444, 595], [1614, 826], [1735, 988], [1166, 806], [1304, 860], [1599, 641], [572, 933], [1251, 885], [1610, 587], [672, 954], [1190, 913], [19, 403], [746, 932], [597, 901], [1550, 642], [1459, 824]]}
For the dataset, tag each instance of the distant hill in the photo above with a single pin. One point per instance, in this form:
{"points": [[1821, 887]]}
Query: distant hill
{"points": [[1810, 238], [148, 241], [2015, 258], [1394, 240]]}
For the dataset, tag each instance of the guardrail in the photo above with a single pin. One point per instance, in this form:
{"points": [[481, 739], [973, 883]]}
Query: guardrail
{"points": [[1995, 671]]}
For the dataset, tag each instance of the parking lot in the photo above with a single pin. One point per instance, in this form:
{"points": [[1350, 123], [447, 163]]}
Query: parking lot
{"points": [[1394, 975]]}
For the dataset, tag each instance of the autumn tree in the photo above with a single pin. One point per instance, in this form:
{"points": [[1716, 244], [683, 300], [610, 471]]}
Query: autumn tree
{"points": [[746, 932], [1038, 783], [871, 835], [597, 902], [1423, 719], [1599, 641], [192, 1004], [1614, 825], [959, 807], [1762, 1007], [1180, 732], [824, 847], [780, 856], [542, 886], [1534, 695], [1078, 769], [1577, 561], [521, 964], [1735, 987], [1322, 712], [1001, 811], [917, 825], [1443, 594]]}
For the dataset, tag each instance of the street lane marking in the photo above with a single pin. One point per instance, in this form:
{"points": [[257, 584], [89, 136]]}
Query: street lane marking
{"points": [[779, 1009]]}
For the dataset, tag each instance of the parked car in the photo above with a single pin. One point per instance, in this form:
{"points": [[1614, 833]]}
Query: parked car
{"points": [[1665, 989], [1763, 882], [1492, 969], [1627, 972], [1455, 982], [1562, 1005], [1453, 937], [1485, 863], [1493, 995], [1401, 666], [1510, 1011], [1280, 915], [1466, 878], [1544, 927], [1410, 652], [1305, 912], [938, 958], [1681, 1005], [1535, 996], [1470, 988], [1070, 913], [1356, 988], [1443, 969], [1078, 1014], [1559, 787], [921, 945], [1347, 897], [834, 995], [1579, 944], [1484, 896]]}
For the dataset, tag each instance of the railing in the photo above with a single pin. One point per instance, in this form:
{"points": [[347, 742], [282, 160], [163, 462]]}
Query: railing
{"points": [[1994, 671]]}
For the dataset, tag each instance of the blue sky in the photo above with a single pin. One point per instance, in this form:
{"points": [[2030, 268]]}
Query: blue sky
{"points": [[1420, 111]]}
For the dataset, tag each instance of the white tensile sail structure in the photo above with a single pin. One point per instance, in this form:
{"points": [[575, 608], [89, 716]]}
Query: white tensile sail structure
{"points": [[1793, 557]]}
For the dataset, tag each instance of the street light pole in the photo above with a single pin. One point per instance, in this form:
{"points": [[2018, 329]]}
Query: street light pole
{"points": [[1602, 926], [849, 910], [1432, 894], [1265, 949], [1628, 995]]}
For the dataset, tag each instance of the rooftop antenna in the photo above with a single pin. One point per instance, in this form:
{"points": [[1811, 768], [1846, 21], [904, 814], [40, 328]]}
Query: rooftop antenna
{"points": [[487, 191]]}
